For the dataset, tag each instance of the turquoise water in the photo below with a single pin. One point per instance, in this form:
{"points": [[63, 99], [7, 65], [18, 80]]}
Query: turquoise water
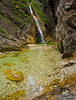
{"points": [[39, 64]]}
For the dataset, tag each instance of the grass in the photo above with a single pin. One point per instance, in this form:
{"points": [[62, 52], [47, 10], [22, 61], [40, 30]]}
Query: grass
{"points": [[51, 43]]}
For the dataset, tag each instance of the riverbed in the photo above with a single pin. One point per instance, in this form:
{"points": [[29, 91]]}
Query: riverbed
{"points": [[40, 66]]}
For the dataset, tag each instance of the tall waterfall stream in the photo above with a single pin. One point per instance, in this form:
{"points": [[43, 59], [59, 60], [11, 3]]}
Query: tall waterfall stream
{"points": [[38, 26]]}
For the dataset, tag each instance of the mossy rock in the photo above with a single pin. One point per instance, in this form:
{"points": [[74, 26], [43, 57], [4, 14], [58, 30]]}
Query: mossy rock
{"points": [[25, 60], [14, 96], [0, 66], [14, 75], [70, 81], [51, 86], [2, 56]]}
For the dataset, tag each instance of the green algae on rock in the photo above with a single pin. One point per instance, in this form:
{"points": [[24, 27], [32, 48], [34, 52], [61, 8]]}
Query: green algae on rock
{"points": [[9, 64], [70, 81], [14, 75], [14, 96], [25, 60], [0, 66], [51, 86], [64, 88], [2, 56]]}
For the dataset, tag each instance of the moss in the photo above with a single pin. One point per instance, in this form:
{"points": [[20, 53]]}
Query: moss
{"points": [[8, 21], [20, 9], [1, 30], [1, 16], [18, 19], [39, 11], [24, 23], [2, 56]]}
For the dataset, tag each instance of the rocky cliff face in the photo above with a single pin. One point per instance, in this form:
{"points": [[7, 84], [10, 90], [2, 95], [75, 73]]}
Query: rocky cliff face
{"points": [[15, 25], [66, 27], [49, 8], [61, 23]]}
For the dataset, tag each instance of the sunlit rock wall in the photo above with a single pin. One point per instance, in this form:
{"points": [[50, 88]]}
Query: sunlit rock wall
{"points": [[16, 25], [66, 27]]}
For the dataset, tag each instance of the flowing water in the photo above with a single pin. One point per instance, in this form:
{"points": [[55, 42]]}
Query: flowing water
{"points": [[39, 64], [38, 26]]}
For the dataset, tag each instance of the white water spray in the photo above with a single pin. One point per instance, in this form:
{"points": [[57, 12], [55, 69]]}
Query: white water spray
{"points": [[40, 31]]}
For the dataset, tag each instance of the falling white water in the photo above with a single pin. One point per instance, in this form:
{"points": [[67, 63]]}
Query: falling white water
{"points": [[40, 31]]}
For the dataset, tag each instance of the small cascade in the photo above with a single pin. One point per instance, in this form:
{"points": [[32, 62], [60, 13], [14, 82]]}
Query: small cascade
{"points": [[39, 28]]}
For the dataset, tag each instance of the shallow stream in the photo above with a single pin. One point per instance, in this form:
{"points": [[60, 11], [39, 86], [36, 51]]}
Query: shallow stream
{"points": [[40, 65]]}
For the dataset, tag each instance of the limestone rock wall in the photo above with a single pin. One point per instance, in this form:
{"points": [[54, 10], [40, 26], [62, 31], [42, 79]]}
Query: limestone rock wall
{"points": [[66, 27], [49, 8], [15, 25]]}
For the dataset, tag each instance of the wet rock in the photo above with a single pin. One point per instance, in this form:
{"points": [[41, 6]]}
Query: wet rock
{"points": [[70, 81], [69, 64], [63, 90], [0, 66], [14, 96], [14, 75]]}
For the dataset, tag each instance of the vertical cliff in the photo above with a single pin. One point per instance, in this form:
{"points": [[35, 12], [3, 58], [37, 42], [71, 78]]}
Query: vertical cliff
{"points": [[66, 27]]}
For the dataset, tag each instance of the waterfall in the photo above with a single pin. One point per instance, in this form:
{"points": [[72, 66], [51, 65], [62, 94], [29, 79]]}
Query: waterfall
{"points": [[38, 26]]}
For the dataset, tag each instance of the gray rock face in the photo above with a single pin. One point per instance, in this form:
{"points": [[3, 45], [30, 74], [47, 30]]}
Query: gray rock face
{"points": [[15, 25], [66, 27], [49, 9]]}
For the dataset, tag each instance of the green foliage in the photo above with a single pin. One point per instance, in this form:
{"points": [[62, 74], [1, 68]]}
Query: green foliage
{"points": [[8, 21], [28, 1], [24, 23], [20, 8], [1, 16], [39, 11], [18, 19], [1, 30]]}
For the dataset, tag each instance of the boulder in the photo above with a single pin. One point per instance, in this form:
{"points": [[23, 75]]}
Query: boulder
{"points": [[14, 75]]}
